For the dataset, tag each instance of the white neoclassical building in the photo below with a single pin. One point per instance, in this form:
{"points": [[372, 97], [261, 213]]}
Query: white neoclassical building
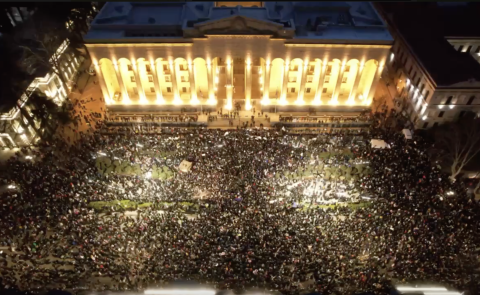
{"points": [[287, 55]]}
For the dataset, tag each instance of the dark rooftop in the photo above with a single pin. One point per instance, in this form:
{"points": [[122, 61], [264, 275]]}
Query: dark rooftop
{"points": [[424, 27]]}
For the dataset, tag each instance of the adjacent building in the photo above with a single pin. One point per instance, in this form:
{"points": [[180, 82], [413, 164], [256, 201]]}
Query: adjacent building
{"points": [[19, 126], [286, 56], [433, 61]]}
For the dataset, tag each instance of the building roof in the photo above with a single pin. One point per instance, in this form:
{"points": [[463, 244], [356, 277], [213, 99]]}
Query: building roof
{"points": [[342, 21], [423, 26]]}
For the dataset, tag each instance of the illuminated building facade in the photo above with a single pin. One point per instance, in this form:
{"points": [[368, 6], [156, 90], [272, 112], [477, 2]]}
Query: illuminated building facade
{"points": [[18, 125], [433, 64], [326, 55]]}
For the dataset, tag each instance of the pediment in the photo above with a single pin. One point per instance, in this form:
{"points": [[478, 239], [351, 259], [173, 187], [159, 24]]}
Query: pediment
{"points": [[238, 25]]}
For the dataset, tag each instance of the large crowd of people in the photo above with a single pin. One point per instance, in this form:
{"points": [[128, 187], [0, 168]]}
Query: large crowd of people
{"points": [[261, 221]]}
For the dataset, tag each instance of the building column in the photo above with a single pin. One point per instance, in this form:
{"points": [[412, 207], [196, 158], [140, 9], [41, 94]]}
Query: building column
{"points": [[156, 81], [120, 82], [176, 96], [229, 86], [211, 88], [336, 92], [303, 81], [138, 81], [373, 87], [283, 96], [248, 86], [193, 88], [353, 92], [103, 85], [266, 84], [319, 90]]}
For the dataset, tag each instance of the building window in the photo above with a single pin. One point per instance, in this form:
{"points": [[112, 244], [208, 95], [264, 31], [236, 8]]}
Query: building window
{"points": [[414, 76], [150, 78], [311, 68], [147, 68], [469, 48], [435, 124], [293, 80], [184, 89], [308, 90], [470, 100], [422, 87], [130, 67], [292, 90], [425, 125], [152, 89], [167, 78], [309, 79], [169, 89], [344, 80], [132, 79], [182, 68], [294, 68], [182, 78], [460, 48], [477, 50], [449, 100], [135, 90], [462, 113], [165, 67], [327, 79], [440, 115], [324, 90]]}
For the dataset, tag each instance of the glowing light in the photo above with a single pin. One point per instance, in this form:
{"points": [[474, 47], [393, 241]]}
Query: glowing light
{"points": [[102, 154], [424, 118], [228, 106], [139, 145], [440, 106], [265, 101], [300, 101], [212, 101], [11, 186], [216, 80], [333, 102], [194, 101], [451, 107], [180, 292], [450, 193], [148, 174], [28, 157], [406, 289], [248, 106], [177, 100]]}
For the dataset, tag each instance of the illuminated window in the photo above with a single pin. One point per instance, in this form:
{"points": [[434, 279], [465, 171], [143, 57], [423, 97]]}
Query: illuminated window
{"points": [[327, 79], [344, 80], [184, 89], [165, 67], [460, 48], [324, 90], [308, 90], [169, 89], [292, 90], [152, 89], [167, 78], [183, 79], [147, 68], [150, 78], [181, 68], [132, 79], [130, 68], [135, 90], [309, 79], [293, 80]]}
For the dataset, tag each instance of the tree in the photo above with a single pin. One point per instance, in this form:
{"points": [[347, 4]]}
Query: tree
{"points": [[458, 142]]}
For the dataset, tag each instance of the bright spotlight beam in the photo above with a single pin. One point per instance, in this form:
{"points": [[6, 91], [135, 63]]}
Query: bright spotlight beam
{"points": [[179, 292]]}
